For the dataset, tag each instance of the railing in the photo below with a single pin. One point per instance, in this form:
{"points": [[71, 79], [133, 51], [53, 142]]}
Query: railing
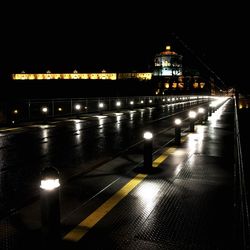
{"points": [[51, 108], [240, 201]]}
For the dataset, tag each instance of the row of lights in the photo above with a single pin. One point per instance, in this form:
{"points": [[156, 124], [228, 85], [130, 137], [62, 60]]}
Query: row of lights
{"points": [[101, 105]]}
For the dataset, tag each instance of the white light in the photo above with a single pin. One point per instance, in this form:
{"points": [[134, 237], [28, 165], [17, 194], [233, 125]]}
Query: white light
{"points": [[77, 106], [177, 121], [201, 110], [15, 111], [192, 114], [131, 102], [163, 100], [101, 105], [118, 104], [44, 109], [59, 109], [142, 101], [50, 184], [150, 101], [147, 135]]}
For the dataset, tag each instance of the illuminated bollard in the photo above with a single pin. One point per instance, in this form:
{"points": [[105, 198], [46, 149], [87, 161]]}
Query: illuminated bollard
{"points": [[78, 108], [201, 112], [45, 111], [101, 107], [177, 123], [192, 116], [210, 110], [148, 150], [50, 205]]}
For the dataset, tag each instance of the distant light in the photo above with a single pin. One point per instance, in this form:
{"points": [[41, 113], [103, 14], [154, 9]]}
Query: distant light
{"points": [[44, 109], [60, 109], [142, 101], [101, 105], [148, 135], [15, 111], [77, 106], [201, 110], [150, 101], [163, 99], [131, 103], [177, 121], [192, 114], [118, 104], [168, 47], [50, 184]]}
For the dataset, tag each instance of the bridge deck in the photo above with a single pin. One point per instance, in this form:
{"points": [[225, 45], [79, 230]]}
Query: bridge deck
{"points": [[186, 202]]}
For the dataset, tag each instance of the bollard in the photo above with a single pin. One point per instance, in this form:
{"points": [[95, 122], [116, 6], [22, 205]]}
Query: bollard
{"points": [[177, 131], [101, 107], [192, 116], [201, 112], [148, 150], [45, 113], [50, 205]]}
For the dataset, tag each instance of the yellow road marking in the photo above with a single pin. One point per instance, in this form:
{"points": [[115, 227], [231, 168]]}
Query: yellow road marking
{"points": [[78, 232], [9, 129]]}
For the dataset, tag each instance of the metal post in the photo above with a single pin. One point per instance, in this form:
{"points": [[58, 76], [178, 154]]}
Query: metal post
{"points": [[50, 205]]}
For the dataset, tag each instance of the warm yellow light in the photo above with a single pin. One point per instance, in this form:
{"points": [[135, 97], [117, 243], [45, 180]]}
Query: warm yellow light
{"points": [[168, 47]]}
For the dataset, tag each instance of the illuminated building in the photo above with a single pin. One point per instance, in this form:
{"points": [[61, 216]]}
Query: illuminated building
{"points": [[168, 76], [167, 63]]}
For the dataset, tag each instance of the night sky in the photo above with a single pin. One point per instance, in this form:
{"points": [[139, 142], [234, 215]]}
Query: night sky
{"points": [[125, 37]]}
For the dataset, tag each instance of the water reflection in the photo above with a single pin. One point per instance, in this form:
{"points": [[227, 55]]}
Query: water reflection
{"points": [[148, 193]]}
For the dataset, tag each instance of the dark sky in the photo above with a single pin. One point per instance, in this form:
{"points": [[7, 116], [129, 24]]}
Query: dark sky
{"points": [[125, 36]]}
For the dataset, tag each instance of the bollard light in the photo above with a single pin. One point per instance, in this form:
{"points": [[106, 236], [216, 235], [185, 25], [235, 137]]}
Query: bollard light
{"points": [[148, 135], [45, 110], [201, 115], [78, 107], [101, 105], [201, 110], [50, 205], [45, 113], [148, 150], [192, 115], [177, 123]]}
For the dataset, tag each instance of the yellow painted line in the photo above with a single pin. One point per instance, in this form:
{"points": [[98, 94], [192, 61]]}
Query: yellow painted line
{"points": [[163, 157], [78, 232], [9, 129]]}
